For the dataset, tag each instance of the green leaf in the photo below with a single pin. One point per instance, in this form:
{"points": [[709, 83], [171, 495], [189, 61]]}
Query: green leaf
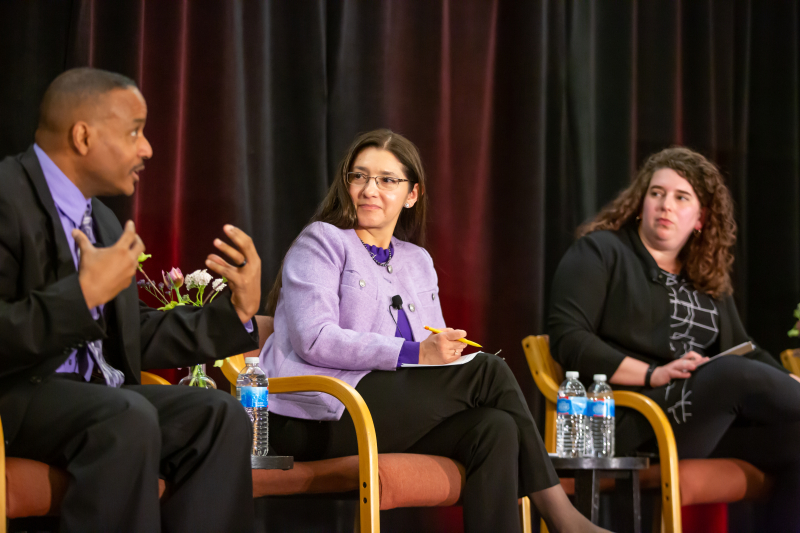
{"points": [[171, 305], [218, 363], [793, 332], [144, 257]]}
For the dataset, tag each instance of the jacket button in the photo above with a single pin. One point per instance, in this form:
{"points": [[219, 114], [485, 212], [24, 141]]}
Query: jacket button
{"points": [[433, 296], [36, 379], [411, 307], [362, 283]]}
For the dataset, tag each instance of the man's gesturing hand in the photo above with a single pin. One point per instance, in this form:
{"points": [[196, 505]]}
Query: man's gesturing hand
{"points": [[244, 276], [105, 272]]}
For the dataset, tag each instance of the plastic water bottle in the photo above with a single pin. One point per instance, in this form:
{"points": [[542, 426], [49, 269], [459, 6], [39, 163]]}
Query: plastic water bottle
{"points": [[571, 422], [601, 413], [252, 389]]}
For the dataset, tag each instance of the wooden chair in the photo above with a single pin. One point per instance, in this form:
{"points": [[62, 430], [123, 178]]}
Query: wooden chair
{"points": [[384, 481], [687, 482]]}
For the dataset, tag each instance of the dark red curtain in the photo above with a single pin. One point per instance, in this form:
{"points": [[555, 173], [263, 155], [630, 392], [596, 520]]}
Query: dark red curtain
{"points": [[529, 116]]}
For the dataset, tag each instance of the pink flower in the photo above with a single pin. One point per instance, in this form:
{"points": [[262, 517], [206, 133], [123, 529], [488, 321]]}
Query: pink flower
{"points": [[176, 276]]}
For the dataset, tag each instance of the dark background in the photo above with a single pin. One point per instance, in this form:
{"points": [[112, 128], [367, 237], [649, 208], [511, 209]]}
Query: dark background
{"points": [[530, 115]]}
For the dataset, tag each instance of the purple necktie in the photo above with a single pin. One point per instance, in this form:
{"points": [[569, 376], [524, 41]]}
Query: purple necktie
{"points": [[94, 349]]}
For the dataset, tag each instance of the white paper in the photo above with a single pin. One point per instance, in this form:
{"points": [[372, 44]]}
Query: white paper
{"points": [[464, 359]]}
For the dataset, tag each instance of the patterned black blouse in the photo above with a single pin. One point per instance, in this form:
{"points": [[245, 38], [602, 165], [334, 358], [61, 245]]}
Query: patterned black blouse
{"points": [[694, 320]]}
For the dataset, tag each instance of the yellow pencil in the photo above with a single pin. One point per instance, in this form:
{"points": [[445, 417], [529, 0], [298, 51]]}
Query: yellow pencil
{"points": [[465, 341]]}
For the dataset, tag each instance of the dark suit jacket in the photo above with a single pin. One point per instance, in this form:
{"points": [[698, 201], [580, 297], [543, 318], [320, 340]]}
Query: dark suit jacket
{"points": [[44, 317], [609, 301]]}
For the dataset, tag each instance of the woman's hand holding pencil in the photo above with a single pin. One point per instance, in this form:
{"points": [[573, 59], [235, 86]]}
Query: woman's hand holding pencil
{"points": [[443, 346]]}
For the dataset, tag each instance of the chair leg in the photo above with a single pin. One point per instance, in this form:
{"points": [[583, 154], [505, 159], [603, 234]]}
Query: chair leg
{"points": [[525, 514], [357, 522], [658, 517]]}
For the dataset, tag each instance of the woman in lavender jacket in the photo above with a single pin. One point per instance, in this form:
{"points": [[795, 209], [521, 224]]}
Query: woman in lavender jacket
{"points": [[354, 294]]}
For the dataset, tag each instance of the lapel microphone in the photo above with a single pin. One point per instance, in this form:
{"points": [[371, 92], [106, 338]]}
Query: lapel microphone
{"points": [[397, 302]]}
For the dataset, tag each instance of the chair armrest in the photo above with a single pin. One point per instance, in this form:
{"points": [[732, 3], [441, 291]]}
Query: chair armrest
{"points": [[231, 367], [153, 379], [537, 352], [667, 451], [369, 489], [790, 361]]}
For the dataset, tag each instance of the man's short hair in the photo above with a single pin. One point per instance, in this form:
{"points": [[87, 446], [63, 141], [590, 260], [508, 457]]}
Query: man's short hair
{"points": [[74, 88]]}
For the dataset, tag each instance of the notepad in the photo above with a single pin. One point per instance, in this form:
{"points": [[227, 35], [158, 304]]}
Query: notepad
{"points": [[464, 359]]}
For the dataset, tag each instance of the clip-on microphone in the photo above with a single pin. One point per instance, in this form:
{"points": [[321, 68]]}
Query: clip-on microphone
{"points": [[397, 302]]}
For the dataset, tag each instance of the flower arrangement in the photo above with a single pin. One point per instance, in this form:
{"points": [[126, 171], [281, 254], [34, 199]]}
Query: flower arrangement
{"points": [[168, 293], [795, 331]]}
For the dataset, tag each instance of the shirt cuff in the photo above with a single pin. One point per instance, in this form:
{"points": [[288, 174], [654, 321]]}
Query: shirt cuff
{"points": [[409, 354], [248, 326]]}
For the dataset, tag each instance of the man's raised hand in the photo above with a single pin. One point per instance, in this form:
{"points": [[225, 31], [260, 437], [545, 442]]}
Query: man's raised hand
{"points": [[244, 275], [105, 272]]}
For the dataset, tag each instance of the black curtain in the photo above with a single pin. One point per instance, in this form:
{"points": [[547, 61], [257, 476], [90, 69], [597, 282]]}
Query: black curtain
{"points": [[529, 115]]}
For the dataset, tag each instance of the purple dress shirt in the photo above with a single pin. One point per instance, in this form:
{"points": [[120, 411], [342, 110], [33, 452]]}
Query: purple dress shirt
{"points": [[409, 353], [71, 206]]}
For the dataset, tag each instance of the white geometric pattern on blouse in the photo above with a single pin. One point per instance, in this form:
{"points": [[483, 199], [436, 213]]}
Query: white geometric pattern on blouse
{"points": [[694, 320]]}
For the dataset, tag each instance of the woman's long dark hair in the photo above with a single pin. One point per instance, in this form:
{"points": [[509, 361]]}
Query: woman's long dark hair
{"points": [[707, 256], [337, 208]]}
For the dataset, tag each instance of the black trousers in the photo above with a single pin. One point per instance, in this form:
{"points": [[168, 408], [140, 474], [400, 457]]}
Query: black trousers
{"points": [[116, 443], [732, 407], [473, 413]]}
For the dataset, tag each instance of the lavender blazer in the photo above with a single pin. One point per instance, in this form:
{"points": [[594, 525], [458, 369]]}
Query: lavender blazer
{"points": [[333, 315]]}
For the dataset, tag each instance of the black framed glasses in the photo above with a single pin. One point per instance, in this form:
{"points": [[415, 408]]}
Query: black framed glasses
{"points": [[384, 183]]}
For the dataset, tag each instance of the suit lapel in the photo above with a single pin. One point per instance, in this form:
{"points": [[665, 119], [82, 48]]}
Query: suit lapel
{"points": [[66, 264]]}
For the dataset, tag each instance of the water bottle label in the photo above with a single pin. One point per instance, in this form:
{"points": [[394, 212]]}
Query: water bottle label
{"points": [[571, 406], [601, 408], [255, 397]]}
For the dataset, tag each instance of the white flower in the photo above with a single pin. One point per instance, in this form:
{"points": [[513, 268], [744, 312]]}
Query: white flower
{"points": [[218, 285], [197, 279]]}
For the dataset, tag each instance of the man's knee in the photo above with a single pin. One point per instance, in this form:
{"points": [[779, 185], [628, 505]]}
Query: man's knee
{"points": [[224, 410], [139, 418], [128, 423]]}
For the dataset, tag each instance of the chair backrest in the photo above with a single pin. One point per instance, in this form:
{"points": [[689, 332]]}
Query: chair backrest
{"points": [[235, 363], [790, 359], [548, 375]]}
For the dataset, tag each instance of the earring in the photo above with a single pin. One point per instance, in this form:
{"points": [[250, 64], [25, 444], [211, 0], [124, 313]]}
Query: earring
{"points": [[638, 218], [407, 205], [697, 232]]}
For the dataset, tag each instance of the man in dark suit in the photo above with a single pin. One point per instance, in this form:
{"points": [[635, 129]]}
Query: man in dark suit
{"points": [[74, 337]]}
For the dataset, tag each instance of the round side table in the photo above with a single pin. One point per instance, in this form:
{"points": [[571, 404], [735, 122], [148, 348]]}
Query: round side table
{"points": [[587, 472]]}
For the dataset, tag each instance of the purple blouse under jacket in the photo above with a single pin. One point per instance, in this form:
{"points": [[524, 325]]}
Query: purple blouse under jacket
{"points": [[409, 353]]}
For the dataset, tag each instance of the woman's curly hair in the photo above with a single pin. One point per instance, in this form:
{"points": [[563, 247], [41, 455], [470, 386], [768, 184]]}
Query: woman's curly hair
{"points": [[706, 257]]}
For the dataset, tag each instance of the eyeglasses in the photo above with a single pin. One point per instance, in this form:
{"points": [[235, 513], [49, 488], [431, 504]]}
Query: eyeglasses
{"points": [[384, 183]]}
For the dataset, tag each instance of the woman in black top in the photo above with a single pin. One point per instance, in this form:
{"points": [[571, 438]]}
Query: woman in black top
{"points": [[645, 297]]}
